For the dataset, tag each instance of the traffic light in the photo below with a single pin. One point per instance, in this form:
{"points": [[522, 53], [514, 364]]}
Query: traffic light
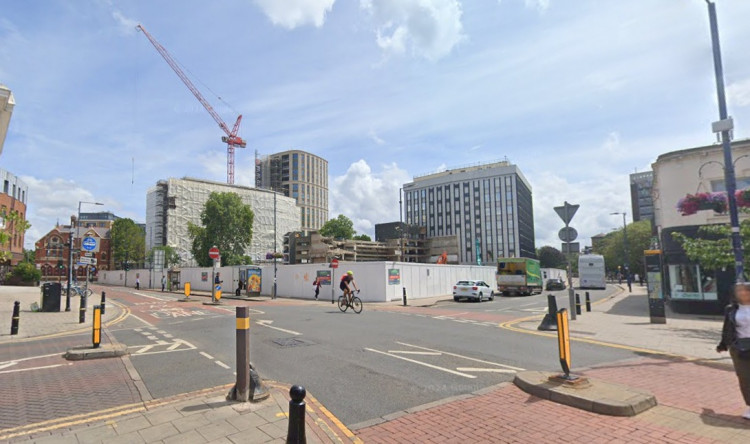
{"points": [[60, 264], [127, 266]]}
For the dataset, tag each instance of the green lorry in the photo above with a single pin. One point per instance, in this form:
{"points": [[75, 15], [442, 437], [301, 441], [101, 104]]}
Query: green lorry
{"points": [[518, 276]]}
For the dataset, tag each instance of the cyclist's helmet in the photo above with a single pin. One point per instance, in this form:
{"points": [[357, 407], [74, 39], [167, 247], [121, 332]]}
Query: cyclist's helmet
{"points": [[350, 273]]}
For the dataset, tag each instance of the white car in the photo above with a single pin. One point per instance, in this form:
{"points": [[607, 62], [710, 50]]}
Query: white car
{"points": [[476, 290]]}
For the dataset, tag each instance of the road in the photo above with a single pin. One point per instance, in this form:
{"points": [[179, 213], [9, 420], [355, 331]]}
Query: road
{"points": [[360, 366]]}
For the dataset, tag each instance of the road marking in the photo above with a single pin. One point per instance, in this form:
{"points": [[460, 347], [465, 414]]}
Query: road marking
{"points": [[138, 330], [173, 346], [447, 370], [18, 370], [526, 305], [145, 322], [153, 338], [167, 335], [150, 297], [489, 370], [144, 349], [145, 333], [161, 332], [266, 324], [409, 352], [15, 361], [221, 364], [463, 357], [206, 355]]}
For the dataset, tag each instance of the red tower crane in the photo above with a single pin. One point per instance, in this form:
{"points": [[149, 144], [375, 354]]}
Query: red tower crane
{"points": [[231, 138]]}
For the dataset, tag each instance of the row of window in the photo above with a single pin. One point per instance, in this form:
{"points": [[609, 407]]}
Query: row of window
{"points": [[306, 194], [312, 218], [13, 191], [308, 168]]}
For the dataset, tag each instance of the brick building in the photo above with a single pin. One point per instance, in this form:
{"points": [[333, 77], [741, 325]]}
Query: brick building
{"points": [[51, 254], [13, 194]]}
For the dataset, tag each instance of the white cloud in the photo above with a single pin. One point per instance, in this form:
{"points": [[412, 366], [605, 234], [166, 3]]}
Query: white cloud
{"points": [[738, 93], [366, 197], [127, 25], [428, 28], [375, 138], [293, 13], [539, 5]]}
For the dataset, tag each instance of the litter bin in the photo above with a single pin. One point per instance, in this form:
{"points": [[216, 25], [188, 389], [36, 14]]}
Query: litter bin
{"points": [[51, 294]]}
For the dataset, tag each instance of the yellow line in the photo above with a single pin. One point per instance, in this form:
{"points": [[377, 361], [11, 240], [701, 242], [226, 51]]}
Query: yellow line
{"points": [[344, 429], [68, 418]]}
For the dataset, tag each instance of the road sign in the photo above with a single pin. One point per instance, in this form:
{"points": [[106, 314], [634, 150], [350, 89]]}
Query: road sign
{"points": [[568, 234], [566, 212], [89, 244], [86, 261], [571, 247], [213, 253], [88, 254], [334, 263]]}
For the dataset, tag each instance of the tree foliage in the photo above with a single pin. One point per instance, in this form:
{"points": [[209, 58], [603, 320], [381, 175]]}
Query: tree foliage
{"points": [[227, 223], [171, 257], [712, 248], [362, 237], [551, 257], [340, 227], [24, 272], [639, 240], [128, 241], [14, 223]]}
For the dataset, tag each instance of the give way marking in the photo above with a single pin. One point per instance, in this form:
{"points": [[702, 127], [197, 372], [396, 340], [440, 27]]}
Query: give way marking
{"points": [[465, 372], [267, 324]]}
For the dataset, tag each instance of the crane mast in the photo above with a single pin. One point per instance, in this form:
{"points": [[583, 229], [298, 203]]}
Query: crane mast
{"points": [[230, 138]]}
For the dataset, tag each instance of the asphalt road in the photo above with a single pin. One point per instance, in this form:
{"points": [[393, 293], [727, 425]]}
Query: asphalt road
{"points": [[386, 359]]}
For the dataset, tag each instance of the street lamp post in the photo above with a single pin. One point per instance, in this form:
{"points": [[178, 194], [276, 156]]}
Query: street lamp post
{"points": [[625, 246], [274, 244], [70, 252], [401, 225], [724, 126]]}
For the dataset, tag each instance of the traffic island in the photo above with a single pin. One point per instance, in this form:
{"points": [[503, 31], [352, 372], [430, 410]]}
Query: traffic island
{"points": [[592, 395], [101, 352]]}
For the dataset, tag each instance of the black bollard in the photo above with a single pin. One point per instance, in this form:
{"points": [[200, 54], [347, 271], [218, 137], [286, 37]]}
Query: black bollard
{"points": [[588, 301], [296, 431], [404, 296], [578, 303], [82, 310], [550, 319], [16, 318], [104, 297]]}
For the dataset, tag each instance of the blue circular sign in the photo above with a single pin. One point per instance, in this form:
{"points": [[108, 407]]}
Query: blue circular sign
{"points": [[88, 244]]}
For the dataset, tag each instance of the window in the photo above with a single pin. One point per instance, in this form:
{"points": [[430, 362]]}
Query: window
{"points": [[690, 282], [718, 185]]}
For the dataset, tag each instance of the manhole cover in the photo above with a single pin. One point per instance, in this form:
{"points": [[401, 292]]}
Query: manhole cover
{"points": [[290, 342]]}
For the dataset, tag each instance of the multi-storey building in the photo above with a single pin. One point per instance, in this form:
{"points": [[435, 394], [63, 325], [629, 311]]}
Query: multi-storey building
{"points": [[6, 110], [641, 199], [301, 176], [488, 206], [13, 196], [173, 203], [102, 219]]}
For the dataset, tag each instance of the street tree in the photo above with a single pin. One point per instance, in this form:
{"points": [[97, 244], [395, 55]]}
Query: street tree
{"points": [[340, 227], [14, 223], [362, 237], [551, 257], [171, 257], [227, 223], [128, 241], [712, 248], [639, 240]]}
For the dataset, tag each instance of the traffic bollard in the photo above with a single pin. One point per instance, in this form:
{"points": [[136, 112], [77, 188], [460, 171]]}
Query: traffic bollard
{"points": [[588, 301], [16, 318], [404, 288], [296, 431], [578, 304], [96, 335], [549, 322], [82, 310], [242, 386], [104, 298]]}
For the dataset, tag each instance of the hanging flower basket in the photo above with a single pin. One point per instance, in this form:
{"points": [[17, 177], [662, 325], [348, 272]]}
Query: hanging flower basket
{"points": [[692, 203], [743, 198]]}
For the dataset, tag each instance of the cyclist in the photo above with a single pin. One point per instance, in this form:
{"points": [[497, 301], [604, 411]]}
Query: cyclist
{"points": [[346, 280]]}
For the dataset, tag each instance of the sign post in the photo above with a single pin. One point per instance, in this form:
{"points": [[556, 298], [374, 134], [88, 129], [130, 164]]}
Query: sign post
{"points": [[214, 254], [656, 310], [334, 266], [568, 235]]}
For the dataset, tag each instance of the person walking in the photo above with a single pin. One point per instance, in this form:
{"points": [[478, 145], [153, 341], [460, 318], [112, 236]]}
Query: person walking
{"points": [[735, 338], [163, 283], [137, 283], [316, 284]]}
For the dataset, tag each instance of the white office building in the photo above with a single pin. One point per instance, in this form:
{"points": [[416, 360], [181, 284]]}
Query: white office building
{"points": [[173, 203], [488, 206]]}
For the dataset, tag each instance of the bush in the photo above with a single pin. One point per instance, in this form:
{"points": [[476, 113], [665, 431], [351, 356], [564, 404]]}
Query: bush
{"points": [[25, 272]]}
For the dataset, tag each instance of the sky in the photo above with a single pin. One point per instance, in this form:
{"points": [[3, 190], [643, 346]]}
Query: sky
{"points": [[577, 93]]}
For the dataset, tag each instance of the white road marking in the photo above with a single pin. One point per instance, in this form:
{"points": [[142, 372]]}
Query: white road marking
{"points": [[138, 330], [526, 305], [461, 356], [33, 368], [153, 338], [490, 370], [206, 355], [266, 324], [145, 322], [145, 333], [409, 352], [167, 335], [161, 332], [447, 370], [173, 346], [153, 328], [221, 364], [16, 361], [145, 349], [150, 297], [160, 342]]}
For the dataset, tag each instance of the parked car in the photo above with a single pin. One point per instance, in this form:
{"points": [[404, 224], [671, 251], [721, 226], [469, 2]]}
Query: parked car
{"points": [[475, 290], [555, 284]]}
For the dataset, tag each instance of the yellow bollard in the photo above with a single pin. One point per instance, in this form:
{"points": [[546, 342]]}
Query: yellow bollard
{"points": [[218, 293], [187, 290], [97, 333], [563, 341]]}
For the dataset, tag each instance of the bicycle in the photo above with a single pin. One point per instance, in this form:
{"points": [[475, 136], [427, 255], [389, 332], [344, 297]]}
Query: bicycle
{"points": [[80, 291], [356, 303]]}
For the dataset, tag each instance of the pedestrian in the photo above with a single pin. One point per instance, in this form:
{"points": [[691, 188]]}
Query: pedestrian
{"points": [[316, 284], [640, 280], [637, 277], [238, 291], [735, 338], [137, 283], [630, 282], [163, 283]]}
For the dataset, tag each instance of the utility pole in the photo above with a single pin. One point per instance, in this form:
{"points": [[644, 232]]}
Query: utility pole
{"points": [[401, 224], [274, 244], [725, 126], [70, 265]]}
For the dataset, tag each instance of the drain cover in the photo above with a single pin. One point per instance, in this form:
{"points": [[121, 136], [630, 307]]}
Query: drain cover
{"points": [[290, 342]]}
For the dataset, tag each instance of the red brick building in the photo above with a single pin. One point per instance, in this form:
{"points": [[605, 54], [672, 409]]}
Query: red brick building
{"points": [[52, 252], [13, 194]]}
